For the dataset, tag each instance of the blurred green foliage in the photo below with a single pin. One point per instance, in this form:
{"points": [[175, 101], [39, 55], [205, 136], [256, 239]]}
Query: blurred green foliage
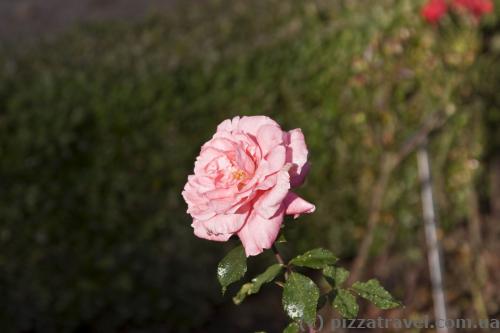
{"points": [[99, 130]]}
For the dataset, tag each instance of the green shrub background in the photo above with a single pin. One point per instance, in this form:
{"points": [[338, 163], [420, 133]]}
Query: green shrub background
{"points": [[99, 129]]}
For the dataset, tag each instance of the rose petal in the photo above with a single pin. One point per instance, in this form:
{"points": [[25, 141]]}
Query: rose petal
{"points": [[268, 137], [202, 232], [267, 183], [228, 124], [225, 224], [269, 202], [275, 160], [297, 178], [295, 205], [251, 125], [220, 143], [245, 161], [259, 233], [297, 154]]}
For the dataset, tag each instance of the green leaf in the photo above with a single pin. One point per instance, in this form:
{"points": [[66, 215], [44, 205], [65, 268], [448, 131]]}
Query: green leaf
{"points": [[232, 268], [300, 297], [317, 258], [244, 291], [345, 303], [335, 275], [375, 293], [292, 328], [253, 287]]}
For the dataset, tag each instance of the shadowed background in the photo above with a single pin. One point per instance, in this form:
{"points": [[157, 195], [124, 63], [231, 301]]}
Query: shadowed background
{"points": [[104, 106]]}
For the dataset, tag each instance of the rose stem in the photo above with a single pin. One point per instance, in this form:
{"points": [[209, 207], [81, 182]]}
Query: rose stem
{"points": [[277, 254], [280, 260]]}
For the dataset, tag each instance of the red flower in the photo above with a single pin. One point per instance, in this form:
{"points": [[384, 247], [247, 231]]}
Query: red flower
{"points": [[476, 7], [433, 10]]}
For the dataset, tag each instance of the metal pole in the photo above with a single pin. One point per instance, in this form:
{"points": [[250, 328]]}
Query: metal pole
{"points": [[431, 236]]}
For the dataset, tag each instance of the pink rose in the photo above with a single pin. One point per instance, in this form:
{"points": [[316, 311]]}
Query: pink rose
{"points": [[242, 182], [434, 10], [475, 7]]}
